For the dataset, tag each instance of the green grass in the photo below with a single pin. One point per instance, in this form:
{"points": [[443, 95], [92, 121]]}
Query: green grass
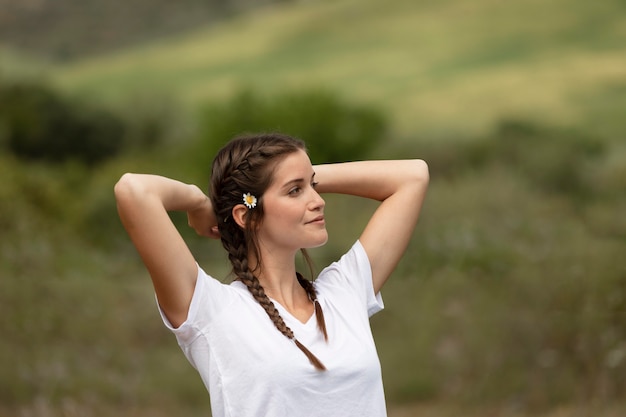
{"points": [[437, 66]]}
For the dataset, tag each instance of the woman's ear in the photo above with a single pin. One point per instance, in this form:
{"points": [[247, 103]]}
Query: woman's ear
{"points": [[239, 215]]}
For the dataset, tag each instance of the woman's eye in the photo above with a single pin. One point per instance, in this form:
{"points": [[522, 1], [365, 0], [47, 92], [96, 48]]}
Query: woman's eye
{"points": [[298, 190]]}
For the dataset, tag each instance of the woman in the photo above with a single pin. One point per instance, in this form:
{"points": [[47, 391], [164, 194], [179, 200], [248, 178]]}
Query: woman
{"points": [[273, 343]]}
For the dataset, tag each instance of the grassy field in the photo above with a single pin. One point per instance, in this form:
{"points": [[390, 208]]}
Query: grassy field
{"points": [[511, 300], [450, 66]]}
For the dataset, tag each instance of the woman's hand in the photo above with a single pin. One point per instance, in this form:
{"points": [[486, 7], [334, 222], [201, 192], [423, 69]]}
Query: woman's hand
{"points": [[203, 220]]}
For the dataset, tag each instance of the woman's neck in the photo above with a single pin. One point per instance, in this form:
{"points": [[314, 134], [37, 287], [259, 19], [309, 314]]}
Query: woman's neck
{"points": [[278, 278]]}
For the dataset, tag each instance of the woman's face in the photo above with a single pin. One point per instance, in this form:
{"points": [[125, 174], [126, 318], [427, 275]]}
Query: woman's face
{"points": [[293, 211]]}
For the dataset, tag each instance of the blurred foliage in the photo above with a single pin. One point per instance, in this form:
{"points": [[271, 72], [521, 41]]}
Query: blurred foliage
{"points": [[555, 160], [49, 28], [436, 67], [516, 299], [334, 130], [39, 123]]}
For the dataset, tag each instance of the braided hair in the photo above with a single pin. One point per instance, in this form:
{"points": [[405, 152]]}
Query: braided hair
{"points": [[246, 164]]}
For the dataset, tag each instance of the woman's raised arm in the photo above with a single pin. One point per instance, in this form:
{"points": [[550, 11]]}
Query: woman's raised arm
{"points": [[400, 186], [143, 202]]}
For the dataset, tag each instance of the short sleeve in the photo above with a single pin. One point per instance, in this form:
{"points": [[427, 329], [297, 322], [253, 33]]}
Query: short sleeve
{"points": [[209, 298], [353, 272]]}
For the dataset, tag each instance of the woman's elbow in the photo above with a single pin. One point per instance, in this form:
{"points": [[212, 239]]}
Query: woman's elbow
{"points": [[125, 187], [420, 174]]}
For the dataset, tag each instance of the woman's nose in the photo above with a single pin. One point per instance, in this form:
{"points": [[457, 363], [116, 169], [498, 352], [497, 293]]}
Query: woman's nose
{"points": [[317, 201]]}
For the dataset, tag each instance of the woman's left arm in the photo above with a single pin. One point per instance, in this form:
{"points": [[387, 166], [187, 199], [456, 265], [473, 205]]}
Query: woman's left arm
{"points": [[400, 186]]}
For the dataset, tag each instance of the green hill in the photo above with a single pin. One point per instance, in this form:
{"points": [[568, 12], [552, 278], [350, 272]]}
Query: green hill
{"points": [[62, 30], [446, 66]]}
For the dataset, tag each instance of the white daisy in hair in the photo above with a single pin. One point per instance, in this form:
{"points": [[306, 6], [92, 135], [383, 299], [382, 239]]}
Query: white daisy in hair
{"points": [[249, 200]]}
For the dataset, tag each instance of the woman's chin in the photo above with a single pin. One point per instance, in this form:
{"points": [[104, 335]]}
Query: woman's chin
{"points": [[319, 242]]}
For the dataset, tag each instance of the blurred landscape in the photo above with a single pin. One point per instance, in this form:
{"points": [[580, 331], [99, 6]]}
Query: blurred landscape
{"points": [[511, 300]]}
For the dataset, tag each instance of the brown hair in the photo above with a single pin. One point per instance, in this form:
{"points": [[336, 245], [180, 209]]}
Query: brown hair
{"points": [[246, 165]]}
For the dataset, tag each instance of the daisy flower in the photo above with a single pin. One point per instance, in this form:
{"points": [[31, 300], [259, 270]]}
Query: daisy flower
{"points": [[249, 200]]}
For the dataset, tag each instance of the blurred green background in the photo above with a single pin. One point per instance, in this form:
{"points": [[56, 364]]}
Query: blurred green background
{"points": [[511, 300]]}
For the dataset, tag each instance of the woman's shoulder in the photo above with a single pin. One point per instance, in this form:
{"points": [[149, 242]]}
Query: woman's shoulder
{"points": [[211, 296], [353, 261], [219, 289], [351, 276]]}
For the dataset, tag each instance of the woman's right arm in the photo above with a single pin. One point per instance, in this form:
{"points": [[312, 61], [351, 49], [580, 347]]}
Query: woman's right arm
{"points": [[143, 202]]}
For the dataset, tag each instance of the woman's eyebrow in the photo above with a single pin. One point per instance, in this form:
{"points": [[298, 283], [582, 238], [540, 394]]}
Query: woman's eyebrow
{"points": [[296, 181]]}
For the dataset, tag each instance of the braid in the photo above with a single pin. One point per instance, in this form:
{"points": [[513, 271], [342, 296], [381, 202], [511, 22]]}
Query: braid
{"points": [[319, 314]]}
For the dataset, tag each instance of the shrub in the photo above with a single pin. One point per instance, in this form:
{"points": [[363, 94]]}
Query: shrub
{"points": [[38, 124], [334, 130], [554, 160]]}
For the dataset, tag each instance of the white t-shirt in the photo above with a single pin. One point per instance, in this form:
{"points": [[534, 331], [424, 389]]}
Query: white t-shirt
{"points": [[252, 370]]}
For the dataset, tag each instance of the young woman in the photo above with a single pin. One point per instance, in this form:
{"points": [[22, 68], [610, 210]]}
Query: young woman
{"points": [[272, 343]]}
